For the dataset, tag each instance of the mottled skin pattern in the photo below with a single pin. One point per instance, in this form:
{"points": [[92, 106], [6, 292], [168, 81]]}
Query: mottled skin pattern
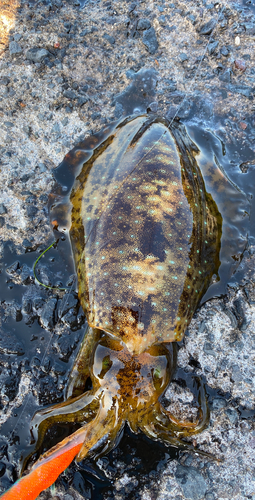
{"points": [[146, 239], [150, 236]]}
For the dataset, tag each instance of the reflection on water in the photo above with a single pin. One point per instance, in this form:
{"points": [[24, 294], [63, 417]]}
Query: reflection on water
{"points": [[8, 10]]}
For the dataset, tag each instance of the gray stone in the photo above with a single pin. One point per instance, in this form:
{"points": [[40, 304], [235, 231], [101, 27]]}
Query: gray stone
{"points": [[17, 37], [162, 20], [9, 124], [236, 373], [14, 48], [219, 403], [250, 28], [212, 47], [208, 349], [243, 90], [232, 415], [82, 100], [143, 24], [55, 129], [226, 76], [224, 51], [9, 344], [70, 94], [36, 54], [206, 29], [191, 482], [47, 317], [150, 40], [109, 38], [65, 121], [183, 57], [3, 209]]}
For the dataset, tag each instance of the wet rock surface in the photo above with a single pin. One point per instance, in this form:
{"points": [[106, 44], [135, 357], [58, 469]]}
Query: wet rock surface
{"points": [[64, 68]]}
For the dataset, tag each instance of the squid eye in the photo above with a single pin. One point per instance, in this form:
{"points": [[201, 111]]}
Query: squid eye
{"points": [[157, 373], [159, 377], [106, 365]]}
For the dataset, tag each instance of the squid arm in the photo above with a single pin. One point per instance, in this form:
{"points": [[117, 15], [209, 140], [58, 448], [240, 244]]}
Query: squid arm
{"points": [[104, 430]]}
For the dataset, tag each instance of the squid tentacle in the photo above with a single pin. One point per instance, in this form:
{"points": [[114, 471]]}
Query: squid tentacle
{"points": [[105, 431], [78, 410], [81, 369], [185, 428], [159, 429]]}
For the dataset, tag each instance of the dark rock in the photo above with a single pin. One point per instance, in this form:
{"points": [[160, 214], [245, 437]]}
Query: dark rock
{"points": [[232, 415], [218, 403], [243, 90], [143, 24], [47, 390], [66, 345], [2, 221], [9, 344], [192, 18], [47, 317], [17, 37], [70, 319], [212, 47], [55, 129], [3, 450], [191, 482], [109, 38], [26, 275], [27, 245], [70, 94], [208, 349], [183, 57], [13, 267], [13, 309], [206, 29], [250, 28], [14, 48], [31, 211], [2, 468], [226, 76], [171, 85], [9, 384], [69, 301], [3, 209], [26, 305], [224, 51], [25, 178], [9, 124], [36, 54], [81, 100], [162, 20], [150, 40], [95, 115], [237, 375], [38, 303]]}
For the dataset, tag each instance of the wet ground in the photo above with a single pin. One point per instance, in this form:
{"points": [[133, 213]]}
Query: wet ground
{"points": [[62, 67]]}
